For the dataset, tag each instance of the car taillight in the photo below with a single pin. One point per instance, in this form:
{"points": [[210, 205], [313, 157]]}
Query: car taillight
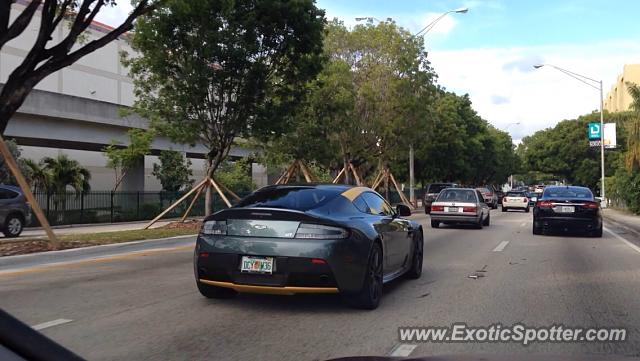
{"points": [[469, 209], [592, 205], [544, 204], [215, 228], [526, 200], [437, 208], [489, 194], [319, 231]]}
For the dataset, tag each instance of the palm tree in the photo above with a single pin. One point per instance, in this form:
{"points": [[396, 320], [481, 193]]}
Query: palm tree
{"points": [[64, 172], [37, 175], [632, 158]]}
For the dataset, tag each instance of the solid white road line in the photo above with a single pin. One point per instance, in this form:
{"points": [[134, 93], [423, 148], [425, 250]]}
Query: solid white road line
{"points": [[402, 350], [633, 246], [57, 322], [501, 246]]}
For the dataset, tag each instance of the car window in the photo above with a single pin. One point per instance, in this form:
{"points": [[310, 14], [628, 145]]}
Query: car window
{"points": [[515, 194], [377, 205], [298, 198], [7, 194], [480, 197], [436, 187], [568, 192], [457, 195], [361, 204]]}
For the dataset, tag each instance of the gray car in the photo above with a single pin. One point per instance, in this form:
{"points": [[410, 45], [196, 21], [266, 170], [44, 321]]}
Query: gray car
{"points": [[460, 205], [15, 212]]}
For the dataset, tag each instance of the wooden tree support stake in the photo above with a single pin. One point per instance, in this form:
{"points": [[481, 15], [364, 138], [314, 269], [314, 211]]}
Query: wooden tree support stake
{"points": [[195, 198], [175, 204], [22, 182], [297, 166]]}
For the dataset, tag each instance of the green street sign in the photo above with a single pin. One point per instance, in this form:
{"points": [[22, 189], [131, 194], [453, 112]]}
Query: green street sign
{"points": [[595, 131]]}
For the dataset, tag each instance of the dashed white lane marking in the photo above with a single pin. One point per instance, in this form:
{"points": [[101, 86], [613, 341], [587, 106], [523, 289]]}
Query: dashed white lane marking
{"points": [[57, 322], [633, 246], [501, 246], [402, 350], [523, 224]]}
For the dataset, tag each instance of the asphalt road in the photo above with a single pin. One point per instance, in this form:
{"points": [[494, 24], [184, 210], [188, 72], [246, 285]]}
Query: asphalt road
{"points": [[144, 305]]}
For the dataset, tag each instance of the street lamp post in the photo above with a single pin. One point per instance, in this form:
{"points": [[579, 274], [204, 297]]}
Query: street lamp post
{"points": [[423, 31], [590, 82]]}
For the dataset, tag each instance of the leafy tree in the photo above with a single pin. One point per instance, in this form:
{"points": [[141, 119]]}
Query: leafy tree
{"points": [[211, 71], [121, 159], [45, 56], [5, 174], [236, 176], [174, 171]]}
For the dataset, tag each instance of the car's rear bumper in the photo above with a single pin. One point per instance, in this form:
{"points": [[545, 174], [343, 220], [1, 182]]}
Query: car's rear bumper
{"points": [[454, 218], [295, 270], [515, 205], [568, 223], [272, 290]]}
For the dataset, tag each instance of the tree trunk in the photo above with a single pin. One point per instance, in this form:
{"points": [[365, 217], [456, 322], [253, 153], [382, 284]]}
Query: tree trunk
{"points": [[207, 194], [347, 172]]}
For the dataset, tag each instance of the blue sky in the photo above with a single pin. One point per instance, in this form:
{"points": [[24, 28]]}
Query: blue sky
{"points": [[488, 52], [495, 23]]}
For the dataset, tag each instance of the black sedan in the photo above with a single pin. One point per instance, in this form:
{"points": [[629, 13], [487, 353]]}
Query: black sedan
{"points": [[290, 239], [567, 208]]}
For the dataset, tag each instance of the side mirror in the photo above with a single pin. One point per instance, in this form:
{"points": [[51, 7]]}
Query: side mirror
{"points": [[403, 211]]}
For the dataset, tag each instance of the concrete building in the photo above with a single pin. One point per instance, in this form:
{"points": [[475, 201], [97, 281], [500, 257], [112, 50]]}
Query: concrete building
{"points": [[618, 98], [76, 111]]}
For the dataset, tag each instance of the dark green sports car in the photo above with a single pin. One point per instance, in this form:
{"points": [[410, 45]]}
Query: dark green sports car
{"points": [[324, 238]]}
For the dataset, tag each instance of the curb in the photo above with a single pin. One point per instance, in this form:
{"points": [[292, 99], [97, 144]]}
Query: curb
{"points": [[626, 227]]}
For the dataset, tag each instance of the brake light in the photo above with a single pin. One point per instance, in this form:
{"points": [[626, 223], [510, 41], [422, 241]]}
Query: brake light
{"points": [[592, 205], [319, 231], [526, 200], [437, 208], [469, 209], [489, 194], [318, 261], [544, 204], [203, 254]]}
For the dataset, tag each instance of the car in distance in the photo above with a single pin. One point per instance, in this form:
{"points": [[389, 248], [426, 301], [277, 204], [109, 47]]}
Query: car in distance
{"points": [[460, 206], [533, 198], [567, 208], [515, 200], [312, 238], [15, 212], [489, 196], [432, 192]]}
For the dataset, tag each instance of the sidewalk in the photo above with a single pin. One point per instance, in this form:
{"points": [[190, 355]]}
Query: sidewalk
{"points": [[623, 218], [88, 228]]}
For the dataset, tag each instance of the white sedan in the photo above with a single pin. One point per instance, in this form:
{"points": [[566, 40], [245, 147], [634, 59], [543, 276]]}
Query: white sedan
{"points": [[515, 200]]}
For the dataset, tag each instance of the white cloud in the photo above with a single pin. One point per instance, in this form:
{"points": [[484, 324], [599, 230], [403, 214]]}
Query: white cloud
{"points": [[537, 99]]}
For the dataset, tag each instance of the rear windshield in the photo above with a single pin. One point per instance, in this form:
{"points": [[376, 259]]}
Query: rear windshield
{"points": [[569, 192], [296, 198], [436, 188], [457, 195], [515, 194]]}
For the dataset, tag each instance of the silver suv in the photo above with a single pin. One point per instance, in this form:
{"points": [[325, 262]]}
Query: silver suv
{"points": [[15, 212]]}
